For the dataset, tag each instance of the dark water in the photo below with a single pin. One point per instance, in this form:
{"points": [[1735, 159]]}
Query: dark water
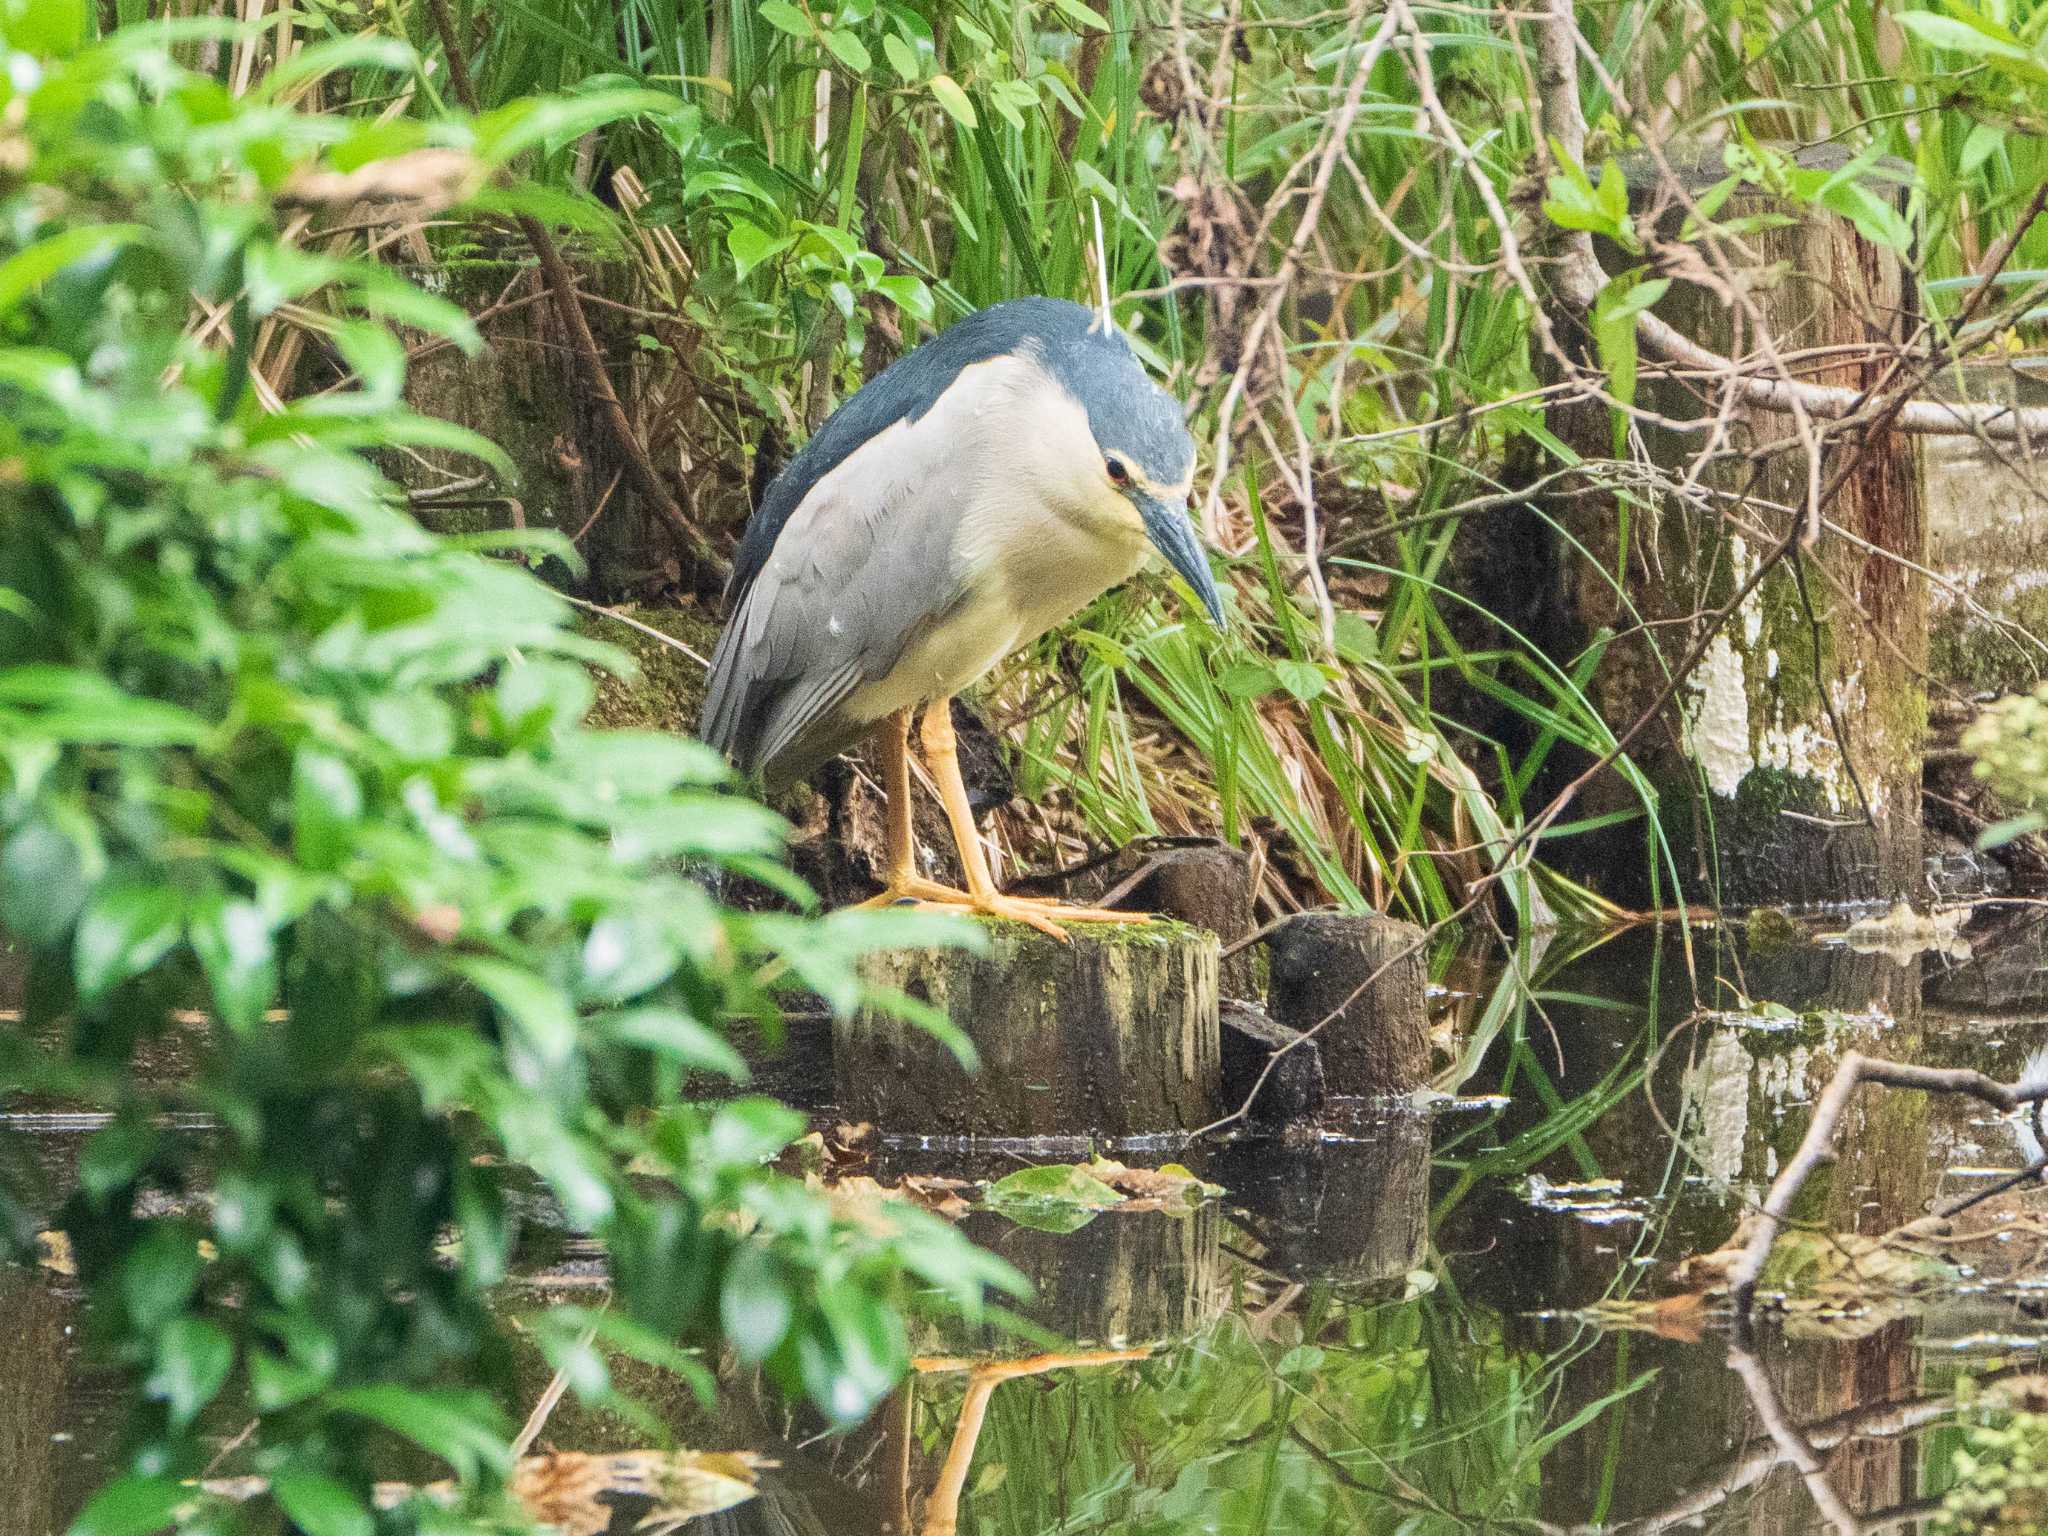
{"points": [[1406, 1331]]}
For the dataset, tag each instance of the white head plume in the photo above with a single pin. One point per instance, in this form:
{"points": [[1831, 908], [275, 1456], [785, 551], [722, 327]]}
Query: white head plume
{"points": [[1104, 317]]}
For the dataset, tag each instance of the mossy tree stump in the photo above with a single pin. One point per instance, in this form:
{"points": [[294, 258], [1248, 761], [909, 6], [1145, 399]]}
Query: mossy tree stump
{"points": [[1112, 1034], [1809, 702]]}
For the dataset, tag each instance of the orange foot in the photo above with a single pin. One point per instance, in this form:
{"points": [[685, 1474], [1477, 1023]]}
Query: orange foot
{"points": [[1043, 914]]}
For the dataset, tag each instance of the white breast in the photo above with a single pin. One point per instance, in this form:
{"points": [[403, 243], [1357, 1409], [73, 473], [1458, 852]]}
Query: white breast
{"points": [[1035, 530]]}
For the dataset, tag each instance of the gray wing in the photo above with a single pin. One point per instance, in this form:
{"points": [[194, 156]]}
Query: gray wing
{"points": [[861, 567]]}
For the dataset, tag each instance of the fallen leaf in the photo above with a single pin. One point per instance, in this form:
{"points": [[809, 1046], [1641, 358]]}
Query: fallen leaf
{"points": [[53, 1252]]}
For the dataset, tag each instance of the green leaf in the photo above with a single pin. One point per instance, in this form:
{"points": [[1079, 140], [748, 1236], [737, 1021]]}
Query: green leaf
{"points": [[159, 1275], [115, 1155], [25, 271], [1247, 680], [1302, 679], [461, 1428], [1615, 312], [785, 17], [1978, 36], [670, 1032], [511, 130], [42, 883], [128, 925], [1984, 141], [1358, 639], [232, 939], [1053, 1197], [69, 704], [849, 50], [1081, 15], [319, 1506], [327, 805], [537, 1009], [2013, 828], [753, 1303], [276, 1383], [193, 1358], [365, 50], [946, 91], [909, 294], [135, 1506], [1575, 203], [902, 58], [747, 1132], [751, 245]]}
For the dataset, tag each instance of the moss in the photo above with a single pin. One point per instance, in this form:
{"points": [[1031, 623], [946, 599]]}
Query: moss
{"points": [[1159, 933], [666, 692], [1770, 928], [1966, 652]]}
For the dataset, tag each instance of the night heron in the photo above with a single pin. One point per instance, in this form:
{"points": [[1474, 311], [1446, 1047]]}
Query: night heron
{"points": [[978, 492]]}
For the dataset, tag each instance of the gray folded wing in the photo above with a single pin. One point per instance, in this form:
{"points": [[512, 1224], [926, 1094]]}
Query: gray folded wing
{"points": [[861, 566]]}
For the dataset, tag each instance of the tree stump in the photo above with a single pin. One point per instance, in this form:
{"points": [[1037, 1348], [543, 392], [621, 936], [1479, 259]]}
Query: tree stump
{"points": [[1112, 1034], [1207, 887], [1810, 701], [1368, 972], [1292, 1092], [521, 393]]}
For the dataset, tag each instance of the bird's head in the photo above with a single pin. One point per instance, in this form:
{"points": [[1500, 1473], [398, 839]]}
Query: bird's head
{"points": [[1143, 458]]}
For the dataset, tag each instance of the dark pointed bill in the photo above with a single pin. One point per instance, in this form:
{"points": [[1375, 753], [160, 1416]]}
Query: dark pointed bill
{"points": [[1173, 534]]}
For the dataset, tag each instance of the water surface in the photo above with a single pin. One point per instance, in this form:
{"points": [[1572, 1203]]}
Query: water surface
{"points": [[1413, 1328]]}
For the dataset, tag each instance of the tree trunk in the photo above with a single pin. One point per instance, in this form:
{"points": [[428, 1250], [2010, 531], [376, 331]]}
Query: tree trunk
{"points": [[1788, 766]]}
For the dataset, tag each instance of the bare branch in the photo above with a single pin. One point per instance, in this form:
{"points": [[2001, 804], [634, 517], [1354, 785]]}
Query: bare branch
{"points": [[1577, 278], [1817, 1147]]}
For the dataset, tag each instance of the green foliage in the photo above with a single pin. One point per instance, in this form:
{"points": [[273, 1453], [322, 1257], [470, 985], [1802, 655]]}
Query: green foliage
{"points": [[2010, 740], [2000, 1471], [295, 787]]}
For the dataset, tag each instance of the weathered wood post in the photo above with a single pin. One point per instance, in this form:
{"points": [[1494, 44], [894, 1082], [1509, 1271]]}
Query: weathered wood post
{"points": [[1809, 703], [1362, 979], [1112, 1034]]}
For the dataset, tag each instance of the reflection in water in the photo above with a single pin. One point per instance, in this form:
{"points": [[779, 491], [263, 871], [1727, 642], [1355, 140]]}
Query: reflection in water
{"points": [[1392, 1330]]}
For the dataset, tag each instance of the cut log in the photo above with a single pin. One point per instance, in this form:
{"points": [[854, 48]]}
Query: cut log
{"points": [[1112, 1034], [1365, 975], [1205, 887], [1293, 1091]]}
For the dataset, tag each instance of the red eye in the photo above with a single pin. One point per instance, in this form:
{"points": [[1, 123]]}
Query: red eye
{"points": [[1117, 472]]}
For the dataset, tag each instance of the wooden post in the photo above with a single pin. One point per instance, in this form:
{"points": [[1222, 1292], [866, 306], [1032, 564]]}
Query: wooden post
{"points": [[1365, 975], [1111, 1034], [1809, 703], [1292, 1092], [1206, 887]]}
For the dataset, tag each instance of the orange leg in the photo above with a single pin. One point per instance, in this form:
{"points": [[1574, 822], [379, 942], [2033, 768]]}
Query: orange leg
{"points": [[900, 879], [941, 755]]}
